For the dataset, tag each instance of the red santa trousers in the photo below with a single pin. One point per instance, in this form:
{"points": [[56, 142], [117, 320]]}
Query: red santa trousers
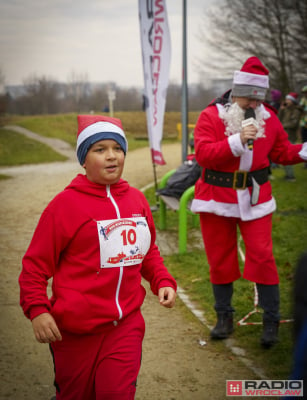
{"points": [[220, 239], [101, 366]]}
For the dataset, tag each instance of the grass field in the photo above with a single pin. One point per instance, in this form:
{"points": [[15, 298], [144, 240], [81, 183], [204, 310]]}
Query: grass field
{"points": [[15, 149], [191, 269], [64, 126]]}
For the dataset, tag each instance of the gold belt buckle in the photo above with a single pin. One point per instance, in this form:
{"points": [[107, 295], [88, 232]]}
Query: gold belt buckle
{"points": [[235, 180]]}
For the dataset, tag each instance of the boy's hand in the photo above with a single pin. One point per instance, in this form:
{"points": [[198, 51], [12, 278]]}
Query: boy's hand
{"points": [[167, 297], [45, 328]]}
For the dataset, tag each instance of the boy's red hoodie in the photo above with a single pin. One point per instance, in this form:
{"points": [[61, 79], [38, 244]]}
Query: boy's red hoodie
{"points": [[66, 247]]}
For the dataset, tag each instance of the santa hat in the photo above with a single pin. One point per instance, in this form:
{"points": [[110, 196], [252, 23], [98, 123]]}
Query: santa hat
{"points": [[92, 128], [293, 97], [252, 80]]}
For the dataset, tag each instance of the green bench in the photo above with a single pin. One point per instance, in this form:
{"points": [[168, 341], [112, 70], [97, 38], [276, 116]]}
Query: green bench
{"points": [[182, 206]]}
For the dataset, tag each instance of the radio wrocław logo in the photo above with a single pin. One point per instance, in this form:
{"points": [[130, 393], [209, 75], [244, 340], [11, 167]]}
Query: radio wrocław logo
{"points": [[268, 388]]}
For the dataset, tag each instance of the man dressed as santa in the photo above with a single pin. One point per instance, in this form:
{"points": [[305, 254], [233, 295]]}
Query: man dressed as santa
{"points": [[235, 137]]}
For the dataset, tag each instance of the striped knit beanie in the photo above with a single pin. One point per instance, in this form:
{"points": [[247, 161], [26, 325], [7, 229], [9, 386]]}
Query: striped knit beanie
{"points": [[93, 128]]}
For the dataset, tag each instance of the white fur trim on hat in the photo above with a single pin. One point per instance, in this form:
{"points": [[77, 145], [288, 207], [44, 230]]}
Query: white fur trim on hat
{"points": [[98, 127], [246, 78], [289, 97]]}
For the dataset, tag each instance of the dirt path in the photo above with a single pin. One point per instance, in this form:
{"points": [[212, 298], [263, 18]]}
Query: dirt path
{"points": [[174, 367]]}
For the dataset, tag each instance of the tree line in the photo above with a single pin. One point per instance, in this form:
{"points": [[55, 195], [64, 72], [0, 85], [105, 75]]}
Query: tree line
{"points": [[40, 95]]}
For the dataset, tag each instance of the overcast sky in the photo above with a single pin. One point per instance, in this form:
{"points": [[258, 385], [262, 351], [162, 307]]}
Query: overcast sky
{"points": [[96, 38]]}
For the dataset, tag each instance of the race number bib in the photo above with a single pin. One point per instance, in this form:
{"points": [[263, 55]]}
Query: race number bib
{"points": [[123, 241]]}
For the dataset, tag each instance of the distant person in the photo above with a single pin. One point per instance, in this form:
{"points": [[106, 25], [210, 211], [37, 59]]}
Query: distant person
{"points": [[235, 138], [303, 120], [275, 101], [299, 369], [276, 97], [191, 141], [300, 321], [96, 239], [144, 102], [289, 115]]}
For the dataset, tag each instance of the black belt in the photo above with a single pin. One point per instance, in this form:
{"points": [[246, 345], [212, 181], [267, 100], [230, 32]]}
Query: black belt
{"points": [[237, 180]]}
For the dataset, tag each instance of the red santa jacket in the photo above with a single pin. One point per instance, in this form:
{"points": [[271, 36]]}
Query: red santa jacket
{"points": [[216, 151], [96, 242]]}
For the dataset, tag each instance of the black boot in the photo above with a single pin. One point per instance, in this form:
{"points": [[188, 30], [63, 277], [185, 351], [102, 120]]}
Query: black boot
{"points": [[224, 325], [269, 301], [270, 333]]}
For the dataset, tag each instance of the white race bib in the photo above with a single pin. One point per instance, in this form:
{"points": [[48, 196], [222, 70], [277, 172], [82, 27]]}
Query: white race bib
{"points": [[123, 241]]}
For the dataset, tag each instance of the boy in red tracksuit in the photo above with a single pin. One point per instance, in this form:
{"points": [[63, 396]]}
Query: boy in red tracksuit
{"points": [[96, 239], [235, 139]]}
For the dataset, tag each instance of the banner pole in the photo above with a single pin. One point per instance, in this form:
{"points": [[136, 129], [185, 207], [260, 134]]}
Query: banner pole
{"points": [[156, 207], [184, 103]]}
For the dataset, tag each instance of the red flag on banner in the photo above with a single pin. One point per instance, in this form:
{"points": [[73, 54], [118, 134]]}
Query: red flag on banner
{"points": [[156, 53]]}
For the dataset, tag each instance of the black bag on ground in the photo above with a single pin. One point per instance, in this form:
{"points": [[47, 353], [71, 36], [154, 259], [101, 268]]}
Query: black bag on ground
{"points": [[183, 178]]}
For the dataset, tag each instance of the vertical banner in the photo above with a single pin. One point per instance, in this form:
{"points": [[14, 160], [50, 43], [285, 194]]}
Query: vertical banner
{"points": [[156, 54]]}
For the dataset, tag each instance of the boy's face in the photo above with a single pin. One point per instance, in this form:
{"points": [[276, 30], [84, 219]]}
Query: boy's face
{"points": [[104, 162]]}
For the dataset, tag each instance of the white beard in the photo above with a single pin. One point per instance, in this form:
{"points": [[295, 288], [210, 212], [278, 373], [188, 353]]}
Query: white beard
{"points": [[233, 116]]}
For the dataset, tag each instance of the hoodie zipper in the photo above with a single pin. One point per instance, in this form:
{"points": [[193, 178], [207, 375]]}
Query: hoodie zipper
{"points": [[121, 269]]}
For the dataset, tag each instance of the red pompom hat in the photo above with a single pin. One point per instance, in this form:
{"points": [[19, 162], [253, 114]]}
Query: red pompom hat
{"points": [[293, 97], [252, 80], [92, 128]]}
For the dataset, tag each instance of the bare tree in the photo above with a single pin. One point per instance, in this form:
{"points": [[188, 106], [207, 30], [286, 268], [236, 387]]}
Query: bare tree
{"points": [[128, 99], [77, 89], [98, 99], [173, 101], [3, 98], [2, 81], [273, 30], [41, 95]]}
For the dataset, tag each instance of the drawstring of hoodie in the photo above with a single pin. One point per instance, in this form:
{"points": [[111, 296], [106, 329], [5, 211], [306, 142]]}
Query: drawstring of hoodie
{"points": [[109, 195], [121, 269]]}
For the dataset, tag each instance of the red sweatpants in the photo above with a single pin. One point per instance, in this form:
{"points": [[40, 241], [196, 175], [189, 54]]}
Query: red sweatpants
{"points": [[101, 366], [220, 240]]}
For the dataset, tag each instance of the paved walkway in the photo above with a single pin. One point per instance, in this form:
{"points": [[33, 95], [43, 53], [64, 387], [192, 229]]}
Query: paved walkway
{"points": [[57, 145]]}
